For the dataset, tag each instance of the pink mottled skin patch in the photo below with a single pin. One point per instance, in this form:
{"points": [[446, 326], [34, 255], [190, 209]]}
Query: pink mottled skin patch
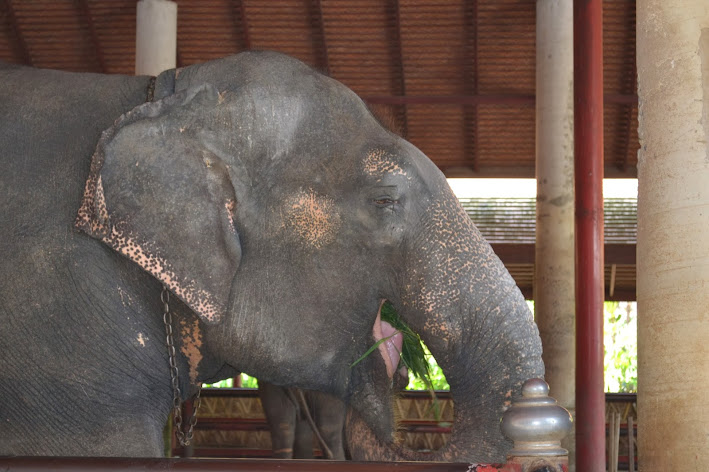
{"points": [[199, 300], [230, 206], [93, 219], [312, 218], [191, 346], [378, 162]]}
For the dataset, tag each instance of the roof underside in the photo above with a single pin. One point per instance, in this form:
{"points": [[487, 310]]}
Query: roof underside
{"points": [[456, 78]]}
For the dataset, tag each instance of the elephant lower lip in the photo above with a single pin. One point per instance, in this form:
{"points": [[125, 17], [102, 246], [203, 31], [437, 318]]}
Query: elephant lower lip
{"points": [[390, 348]]}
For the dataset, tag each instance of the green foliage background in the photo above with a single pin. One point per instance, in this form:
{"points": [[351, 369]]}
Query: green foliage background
{"points": [[621, 346]]}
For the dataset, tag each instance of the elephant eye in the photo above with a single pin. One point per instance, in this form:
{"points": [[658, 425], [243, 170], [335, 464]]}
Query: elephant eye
{"points": [[385, 201]]}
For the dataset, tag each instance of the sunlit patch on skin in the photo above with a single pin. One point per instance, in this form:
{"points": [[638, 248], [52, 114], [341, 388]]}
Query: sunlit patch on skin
{"points": [[379, 162], [312, 218], [191, 345]]}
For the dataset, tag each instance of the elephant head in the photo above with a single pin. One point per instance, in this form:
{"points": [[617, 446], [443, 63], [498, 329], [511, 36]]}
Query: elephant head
{"points": [[269, 199]]}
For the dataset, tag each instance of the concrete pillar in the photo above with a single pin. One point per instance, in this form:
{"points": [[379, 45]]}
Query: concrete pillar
{"points": [[554, 304], [673, 234], [155, 36]]}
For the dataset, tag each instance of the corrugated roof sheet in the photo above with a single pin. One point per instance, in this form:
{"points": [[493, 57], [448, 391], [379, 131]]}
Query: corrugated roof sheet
{"points": [[512, 221]]}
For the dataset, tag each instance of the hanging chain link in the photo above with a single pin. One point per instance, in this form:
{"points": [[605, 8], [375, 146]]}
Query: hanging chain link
{"points": [[184, 439]]}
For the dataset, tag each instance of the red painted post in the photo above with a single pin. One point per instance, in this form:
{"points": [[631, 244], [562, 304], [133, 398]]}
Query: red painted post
{"points": [[588, 161]]}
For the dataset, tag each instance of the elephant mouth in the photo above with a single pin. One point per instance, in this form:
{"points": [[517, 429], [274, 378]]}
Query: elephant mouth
{"points": [[389, 342]]}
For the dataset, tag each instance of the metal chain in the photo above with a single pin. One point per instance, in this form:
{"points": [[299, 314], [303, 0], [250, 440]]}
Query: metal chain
{"points": [[184, 439]]}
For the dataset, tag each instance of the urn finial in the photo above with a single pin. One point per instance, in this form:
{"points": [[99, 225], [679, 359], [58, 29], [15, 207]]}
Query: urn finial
{"points": [[536, 423]]}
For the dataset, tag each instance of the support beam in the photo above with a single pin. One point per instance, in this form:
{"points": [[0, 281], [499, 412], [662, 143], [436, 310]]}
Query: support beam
{"points": [[470, 74], [155, 36], [588, 163], [319, 38], [632, 71], [396, 52], [241, 23], [85, 14], [20, 46], [554, 268], [507, 99], [524, 253], [673, 237]]}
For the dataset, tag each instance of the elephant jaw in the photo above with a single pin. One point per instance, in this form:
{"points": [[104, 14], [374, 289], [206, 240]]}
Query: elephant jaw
{"points": [[390, 348]]}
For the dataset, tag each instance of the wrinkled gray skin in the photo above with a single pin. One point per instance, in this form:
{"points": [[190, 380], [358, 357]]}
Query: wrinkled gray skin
{"points": [[278, 211], [291, 434]]}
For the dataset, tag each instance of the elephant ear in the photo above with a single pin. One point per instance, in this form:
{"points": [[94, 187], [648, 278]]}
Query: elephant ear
{"points": [[158, 195]]}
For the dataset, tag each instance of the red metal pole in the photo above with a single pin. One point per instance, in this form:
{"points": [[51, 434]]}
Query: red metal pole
{"points": [[588, 136]]}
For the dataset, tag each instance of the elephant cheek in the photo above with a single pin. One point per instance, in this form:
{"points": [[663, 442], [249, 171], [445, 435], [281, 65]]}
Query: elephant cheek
{"points": [[191, 346]]}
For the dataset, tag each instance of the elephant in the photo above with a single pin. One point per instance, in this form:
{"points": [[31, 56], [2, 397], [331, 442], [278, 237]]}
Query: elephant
{"points": [[291, 432], [277, 213]]}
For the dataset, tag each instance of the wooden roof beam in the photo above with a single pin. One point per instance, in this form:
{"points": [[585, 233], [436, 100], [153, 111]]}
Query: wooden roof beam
{"points": [[20, 46], [523, 253], [397, 58], [630, 124], [241, 23], [470, 77], [85, 15], [499, 99], [320, 39]]}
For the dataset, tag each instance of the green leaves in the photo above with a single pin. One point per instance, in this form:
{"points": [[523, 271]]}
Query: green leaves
{"points": [[371, 350], [413, 355], [424, 372]]}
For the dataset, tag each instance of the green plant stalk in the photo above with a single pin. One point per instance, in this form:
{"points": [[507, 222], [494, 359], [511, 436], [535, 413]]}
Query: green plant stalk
{"points": [[413, 353]]}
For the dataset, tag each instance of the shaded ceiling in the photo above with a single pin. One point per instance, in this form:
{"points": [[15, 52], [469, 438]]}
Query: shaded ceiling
{"points": [[457, 78]]}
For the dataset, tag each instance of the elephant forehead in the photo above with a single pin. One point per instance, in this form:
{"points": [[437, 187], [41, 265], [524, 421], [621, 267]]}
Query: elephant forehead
{"points": [[313, 219], [379, 162]]}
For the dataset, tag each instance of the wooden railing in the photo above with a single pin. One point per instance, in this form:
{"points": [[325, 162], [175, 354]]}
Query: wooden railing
{"points": [[534, 422]]}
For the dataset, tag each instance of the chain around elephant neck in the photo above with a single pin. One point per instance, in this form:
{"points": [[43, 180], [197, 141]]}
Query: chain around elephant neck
{"points": [[184, 439]]}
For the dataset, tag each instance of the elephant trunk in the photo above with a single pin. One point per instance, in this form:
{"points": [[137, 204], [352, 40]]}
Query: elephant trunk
{"points": [[467, 308]]}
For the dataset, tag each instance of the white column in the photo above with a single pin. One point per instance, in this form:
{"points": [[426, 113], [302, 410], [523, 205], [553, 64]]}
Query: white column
{"points": [[554, 303], [155, 36], [673, 234]]}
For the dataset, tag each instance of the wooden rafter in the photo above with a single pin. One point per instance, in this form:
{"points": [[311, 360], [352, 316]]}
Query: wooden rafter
{"points": [[317, 20], [20, 46], [487, 99], [241, 23], [397, 59], [630, 122], [470, 77], [85, 15]]}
